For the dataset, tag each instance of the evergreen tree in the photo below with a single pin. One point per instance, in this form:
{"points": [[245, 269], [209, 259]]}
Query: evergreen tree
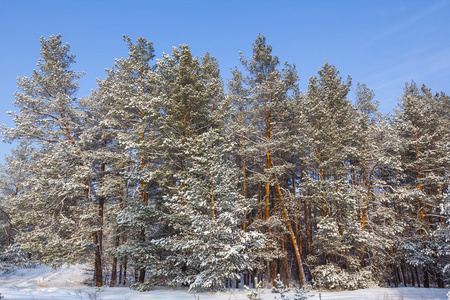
{"points": [[127, 97], [374, 168], [270, 92], [202, 205], [330, 128], [61, 222], [419, 122]]}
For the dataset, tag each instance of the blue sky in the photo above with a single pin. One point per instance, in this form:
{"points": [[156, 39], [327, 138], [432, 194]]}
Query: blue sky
{"points": [[380, 43]]}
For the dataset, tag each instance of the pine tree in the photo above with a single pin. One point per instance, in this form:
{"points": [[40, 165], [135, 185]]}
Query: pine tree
{"points": [[330, 125], [127, 97], [419, 122], [375, 167], [270, 92], [61, 221], [202, 205]]}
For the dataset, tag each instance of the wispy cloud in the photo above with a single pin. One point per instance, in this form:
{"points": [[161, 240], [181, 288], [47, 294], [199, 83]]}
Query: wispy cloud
{"points": [[417, 68], [406, 23]]}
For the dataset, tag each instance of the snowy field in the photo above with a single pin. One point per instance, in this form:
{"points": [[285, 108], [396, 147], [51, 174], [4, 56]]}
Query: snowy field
{"points": [[66, 283]]}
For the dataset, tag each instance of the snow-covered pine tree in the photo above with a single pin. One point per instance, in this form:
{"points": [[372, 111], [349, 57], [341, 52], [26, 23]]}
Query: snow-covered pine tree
{"points": [[363, 182], [270, 92], [105, 177], [371, 177], [329, 127], [420, 122], [59, 221], [441, 106], [243, 133], [204, 210], [127, 99]]}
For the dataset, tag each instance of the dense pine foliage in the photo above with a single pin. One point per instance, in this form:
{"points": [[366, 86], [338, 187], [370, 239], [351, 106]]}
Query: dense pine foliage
{"points": [[165, 173]]}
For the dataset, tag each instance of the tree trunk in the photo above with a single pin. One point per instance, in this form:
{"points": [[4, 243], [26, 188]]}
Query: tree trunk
{"points": [[98, 238], [401, 275], [286, 277], [10, 228], [426, 279], [302, 278], [439, 280], [114, 264], [141, 276], [98, 276], [417, 276], [307, 226], [120, 274], [394, 273], [410, 275], [125, 265]]}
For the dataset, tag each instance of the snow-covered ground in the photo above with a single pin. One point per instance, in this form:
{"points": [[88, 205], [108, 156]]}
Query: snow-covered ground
{"points": [[67, 283]]}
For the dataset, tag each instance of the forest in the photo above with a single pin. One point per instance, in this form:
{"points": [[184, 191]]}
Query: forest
{"points": [[167, 174]]}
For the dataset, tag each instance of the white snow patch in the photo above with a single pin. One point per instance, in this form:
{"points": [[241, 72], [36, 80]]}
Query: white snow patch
{"points": [[64, 283]]}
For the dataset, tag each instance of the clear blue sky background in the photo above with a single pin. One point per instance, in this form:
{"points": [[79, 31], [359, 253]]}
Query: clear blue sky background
{"points": [[380, 43]]}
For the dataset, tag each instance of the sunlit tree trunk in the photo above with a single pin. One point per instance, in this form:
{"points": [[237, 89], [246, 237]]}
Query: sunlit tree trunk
{"points": [[302, 278]]}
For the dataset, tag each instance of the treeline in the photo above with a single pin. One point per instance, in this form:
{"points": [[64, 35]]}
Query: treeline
{"points": [[162, 174]]}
